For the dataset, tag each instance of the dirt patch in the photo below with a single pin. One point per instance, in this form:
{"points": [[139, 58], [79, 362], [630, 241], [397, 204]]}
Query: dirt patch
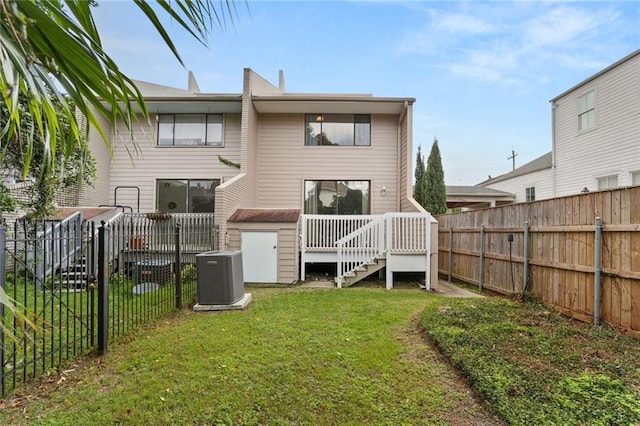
{"points": [[464, 406]]}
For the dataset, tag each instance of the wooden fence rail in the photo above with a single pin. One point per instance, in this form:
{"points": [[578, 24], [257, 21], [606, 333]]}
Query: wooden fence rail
{"points": [[550, 246]]}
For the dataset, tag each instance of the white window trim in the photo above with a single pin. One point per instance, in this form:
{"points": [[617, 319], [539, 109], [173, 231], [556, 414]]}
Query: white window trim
{"points": [[594, 90], [526, 190], [223, 125], [631, 176], [607, 175]]}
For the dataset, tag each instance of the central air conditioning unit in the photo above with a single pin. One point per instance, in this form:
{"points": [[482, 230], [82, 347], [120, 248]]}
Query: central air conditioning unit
{"points": [[152, 271], [220, 279]]}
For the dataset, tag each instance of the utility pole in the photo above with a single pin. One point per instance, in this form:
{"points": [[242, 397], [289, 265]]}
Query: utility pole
{"points": [[513, 158]]}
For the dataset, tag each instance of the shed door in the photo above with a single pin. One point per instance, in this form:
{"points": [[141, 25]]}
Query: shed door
{"points": [[260, 257]]}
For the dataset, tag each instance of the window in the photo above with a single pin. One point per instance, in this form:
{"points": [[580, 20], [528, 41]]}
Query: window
{"points": [[608, 182], [530, 193], [586, 111], [635, 178], [190, 130], [186, 195], [338, 129], [336, 197]]}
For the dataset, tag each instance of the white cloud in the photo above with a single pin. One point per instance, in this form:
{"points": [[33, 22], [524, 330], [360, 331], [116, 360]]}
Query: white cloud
{"points": [[564, 25], [516, 43], [460, 23]]}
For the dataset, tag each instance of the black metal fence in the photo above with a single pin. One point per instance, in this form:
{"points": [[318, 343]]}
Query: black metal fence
{"points": [[84, 284]]}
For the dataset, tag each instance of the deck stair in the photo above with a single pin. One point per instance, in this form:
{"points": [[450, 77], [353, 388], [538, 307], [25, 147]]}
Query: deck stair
{"points": [[361, 253], [361, 245], [363, 271], [76, 278]]}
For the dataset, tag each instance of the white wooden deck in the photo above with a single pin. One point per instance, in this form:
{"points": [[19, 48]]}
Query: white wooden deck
{"points": [[355, 243]]}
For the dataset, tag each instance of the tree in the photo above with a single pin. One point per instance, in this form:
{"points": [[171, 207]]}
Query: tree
{"points": [[52, 55], [68, 169], [419, 186], [436, 192]]}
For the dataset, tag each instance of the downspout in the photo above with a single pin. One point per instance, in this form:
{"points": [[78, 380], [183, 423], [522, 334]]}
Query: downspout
{"points": [[553, 148], [402, 116]]}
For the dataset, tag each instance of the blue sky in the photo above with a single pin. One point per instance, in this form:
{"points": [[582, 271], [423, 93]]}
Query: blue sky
{"points": [[482, 73]]}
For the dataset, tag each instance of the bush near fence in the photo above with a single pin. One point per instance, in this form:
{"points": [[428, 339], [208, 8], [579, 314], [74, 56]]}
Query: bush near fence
{"points": [[474, 247]]}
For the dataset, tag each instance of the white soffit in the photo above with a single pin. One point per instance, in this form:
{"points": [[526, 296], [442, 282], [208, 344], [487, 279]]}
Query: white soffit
{"points": [[193, 106], [282, 105]]}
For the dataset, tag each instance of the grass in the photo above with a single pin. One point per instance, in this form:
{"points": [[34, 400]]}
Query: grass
{"points": [[533, 366], [353, 356], [63, 319], [293, 357]]}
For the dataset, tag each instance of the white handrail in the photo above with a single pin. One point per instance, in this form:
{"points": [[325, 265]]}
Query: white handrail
{"points": [[360, 247]]}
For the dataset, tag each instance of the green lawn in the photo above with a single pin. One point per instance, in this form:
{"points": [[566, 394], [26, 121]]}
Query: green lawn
{"points": [[293, 357], [352, 356]]}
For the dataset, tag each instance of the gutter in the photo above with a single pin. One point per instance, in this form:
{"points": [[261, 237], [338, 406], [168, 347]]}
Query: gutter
{"points": [[402, 116]]}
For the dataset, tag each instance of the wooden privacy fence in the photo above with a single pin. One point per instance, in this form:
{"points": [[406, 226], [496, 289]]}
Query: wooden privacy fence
{"points": [[556, 249]]}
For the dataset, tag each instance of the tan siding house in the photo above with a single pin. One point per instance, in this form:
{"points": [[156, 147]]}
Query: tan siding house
{"points": [[299, 155]]}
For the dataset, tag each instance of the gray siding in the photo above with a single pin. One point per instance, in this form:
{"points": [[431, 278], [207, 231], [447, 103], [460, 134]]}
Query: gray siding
{"points": [[613, 146], [284, 162], [541, 180]]}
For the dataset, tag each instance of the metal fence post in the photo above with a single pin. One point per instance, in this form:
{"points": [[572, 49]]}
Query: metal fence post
{"points": [[103, 288], [178, 267], [598, 272], [525, 269], [481, 279], [450, 251], [3, 285]]}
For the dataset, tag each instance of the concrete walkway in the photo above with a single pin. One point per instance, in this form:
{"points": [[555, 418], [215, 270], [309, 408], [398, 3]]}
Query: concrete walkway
{"points": [[447, 289], [444, 288]]}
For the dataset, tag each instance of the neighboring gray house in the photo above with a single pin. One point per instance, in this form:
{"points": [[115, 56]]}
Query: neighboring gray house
{"points": [[596, 131], [529, 182], [595, 139], [334, 156]]}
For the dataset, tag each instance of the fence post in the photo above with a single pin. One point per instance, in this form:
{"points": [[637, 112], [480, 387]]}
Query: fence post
{"points": [[598, 271], [525, 269], [103, 288], [481, 279], [178, 268], [3, 286], [450, 251], [93, 275]]}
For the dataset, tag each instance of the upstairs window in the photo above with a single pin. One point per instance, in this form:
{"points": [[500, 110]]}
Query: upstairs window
{"points": [[190, 130], [586, 111], [338, 129], [608, 182], [530, 193]]}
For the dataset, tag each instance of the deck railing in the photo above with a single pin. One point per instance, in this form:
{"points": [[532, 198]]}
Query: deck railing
{"points": [[155, 231], [321, 232], [50, 245], [360, 247], [358, 240]]}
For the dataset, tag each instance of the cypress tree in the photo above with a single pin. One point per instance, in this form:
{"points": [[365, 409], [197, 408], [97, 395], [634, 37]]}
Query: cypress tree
{"points": [[435, 190], [418, 188]]}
